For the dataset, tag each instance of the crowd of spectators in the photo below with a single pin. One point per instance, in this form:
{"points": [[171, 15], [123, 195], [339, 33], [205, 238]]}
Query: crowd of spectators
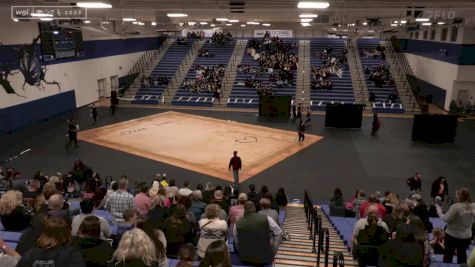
{"points": [[220, 38], [148, 81], [380, 76], [395, 232], [377, 53], [332, 65], [207, 80], [195, 35], [155, 222]]}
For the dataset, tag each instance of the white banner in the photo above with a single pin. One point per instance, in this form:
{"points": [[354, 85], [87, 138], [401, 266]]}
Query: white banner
{"points": [[278, 33]]}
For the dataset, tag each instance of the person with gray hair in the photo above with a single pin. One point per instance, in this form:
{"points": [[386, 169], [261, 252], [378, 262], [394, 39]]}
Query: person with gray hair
{"points": [[265, 204], [197, 206], [120, 201]]}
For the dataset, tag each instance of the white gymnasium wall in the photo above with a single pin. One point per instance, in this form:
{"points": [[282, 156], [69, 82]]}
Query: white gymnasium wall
{"points": [[438, 73]]}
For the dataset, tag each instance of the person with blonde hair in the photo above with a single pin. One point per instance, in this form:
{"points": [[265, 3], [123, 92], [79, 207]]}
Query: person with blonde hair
{"points": [[211, 229], [135, 249], [13, 214]]}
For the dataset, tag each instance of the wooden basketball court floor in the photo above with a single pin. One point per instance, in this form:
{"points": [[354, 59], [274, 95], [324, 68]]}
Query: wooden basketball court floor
{"points": [[200, 144]]}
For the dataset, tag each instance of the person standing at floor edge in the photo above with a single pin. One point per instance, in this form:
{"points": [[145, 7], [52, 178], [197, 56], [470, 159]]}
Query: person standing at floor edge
{"points": [[236, 164], [301, 131], [376, 124], [72, 132]]}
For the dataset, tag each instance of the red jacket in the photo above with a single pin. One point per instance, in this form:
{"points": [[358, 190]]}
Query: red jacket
{"points": [[235, 162]]}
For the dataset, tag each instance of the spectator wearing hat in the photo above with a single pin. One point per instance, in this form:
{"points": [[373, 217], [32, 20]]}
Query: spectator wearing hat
{"points": [[237, 212]]}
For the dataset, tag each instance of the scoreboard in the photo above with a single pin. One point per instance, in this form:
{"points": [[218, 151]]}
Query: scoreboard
{"points": [[58, 42]]}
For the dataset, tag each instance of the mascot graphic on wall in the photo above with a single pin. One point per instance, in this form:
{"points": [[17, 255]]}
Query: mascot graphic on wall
{"points": [[29, 66]]}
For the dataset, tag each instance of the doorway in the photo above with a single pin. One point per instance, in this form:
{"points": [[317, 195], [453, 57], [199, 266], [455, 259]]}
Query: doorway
{"points": [[101, 85], [115, 83], [463, 97]]}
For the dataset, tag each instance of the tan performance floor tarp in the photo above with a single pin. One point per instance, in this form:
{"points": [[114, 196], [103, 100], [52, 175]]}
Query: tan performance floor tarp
{"points": [[200, 144]]}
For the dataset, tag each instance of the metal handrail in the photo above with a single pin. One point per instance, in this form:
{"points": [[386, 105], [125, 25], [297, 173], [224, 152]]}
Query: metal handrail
{"points": [[338, 259]]}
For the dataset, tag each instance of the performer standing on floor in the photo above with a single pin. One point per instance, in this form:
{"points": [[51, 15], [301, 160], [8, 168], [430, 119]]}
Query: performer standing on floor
{"points": [[376, 124], [294, 111], [236, 164], [309, 117], [94, 113], [301, 131], [299, 112], [72, 132]]}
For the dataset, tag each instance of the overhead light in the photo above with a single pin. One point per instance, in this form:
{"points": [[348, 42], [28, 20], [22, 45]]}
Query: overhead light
{"points": [[333, 29], [87, 21], [403, 21], [351, 24], [55, 32], [306, 20], [393, 24], [370, 31], [308, 15], [266, 24], [46, 19], [243, 25], [105, 22], [222, 19], [15, 20], [153, 23], [365, 23], [93, 5], [203, 23], [128, 19], [233, 20], [140, 23], [41, 15], [441, 23], [422, 19], [305, 24], [191, 23], [313, 5], [177, 15], [252, 23], [212, 25], [217, 28], [426, 24], [229, 24], [135, 22], [181, 24]]}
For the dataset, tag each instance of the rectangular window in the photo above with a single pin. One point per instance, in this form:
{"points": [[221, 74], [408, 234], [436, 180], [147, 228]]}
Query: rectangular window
{"points": [[432, 34], [453, 36], [443, 36], [416, 35], [425, 35]]}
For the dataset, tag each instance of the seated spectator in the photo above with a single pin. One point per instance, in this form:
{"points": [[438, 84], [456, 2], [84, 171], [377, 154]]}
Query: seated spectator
{"points": [[337, 199], [394, 219], [89, 189], [120, 201], [14, 216], [197, 206], [208, 193], [218, 198], [237, 212], [160, 212], [96, 251], [185, 190], [360, 198], [58, 209], [9, 257], [368, 240], [421, 210], [281, 198], [266, 210], [186, 255], [420, 235], [158, 238], [33, 189], [178, 230], [135, 249], [87, 209], [252, 195], [403, 250], [372, 200], [252, 236], [217, 255], [363, 222], [52, 247], [437, 244], [142, 201], [172, 189], [390, 200], [211, 229]]}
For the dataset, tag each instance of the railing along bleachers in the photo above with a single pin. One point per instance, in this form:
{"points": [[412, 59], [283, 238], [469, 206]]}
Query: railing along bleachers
{"points": [[342, 90], [219, 55], [245, 97], [167, 67], [382, 93]]}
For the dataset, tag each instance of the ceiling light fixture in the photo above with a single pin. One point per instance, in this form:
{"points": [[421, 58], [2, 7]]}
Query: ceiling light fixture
{"points": [[393, 24], [440, 23], [426, 24], [203, 23], [153, 23], [212, 25], [229, 24], [422, 19], [403, 21], [87, 21], [306, 20], [191, 23], [252, 23], [266, 24], [243, 25], [140, 23], [333, 29], [128, 19], [319, 5], [365, 23], [308, 15], [370, 31], [177, 15], [305, 24], [93, 5], [222, 19], [46, 19], [15, 20], [233, 20]]}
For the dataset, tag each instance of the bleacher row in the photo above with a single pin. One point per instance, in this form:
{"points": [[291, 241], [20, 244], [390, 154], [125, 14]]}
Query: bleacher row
{"points": [[243, 97], [12, 238]]}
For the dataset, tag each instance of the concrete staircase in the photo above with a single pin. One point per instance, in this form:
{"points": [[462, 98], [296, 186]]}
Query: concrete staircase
{"points": [[358, 80], [302, 92], [182, 71], [298, 251], [231, 73], [147, 69], [396, 64]]}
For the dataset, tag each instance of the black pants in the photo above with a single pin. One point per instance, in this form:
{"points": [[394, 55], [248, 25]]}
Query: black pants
{"points": [[452, 244], [73, 137], [301, 136]]}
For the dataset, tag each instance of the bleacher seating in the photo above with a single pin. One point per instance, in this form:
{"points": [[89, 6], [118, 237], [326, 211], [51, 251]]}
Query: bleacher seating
{"points": [[167, 67], [219, 54], [342, 91], [243, 97], [382, 93]]}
